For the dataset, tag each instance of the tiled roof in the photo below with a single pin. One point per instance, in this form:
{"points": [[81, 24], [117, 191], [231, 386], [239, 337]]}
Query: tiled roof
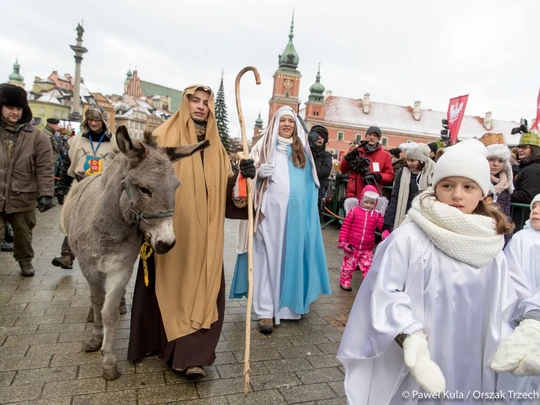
{"points": [[348, 112]]}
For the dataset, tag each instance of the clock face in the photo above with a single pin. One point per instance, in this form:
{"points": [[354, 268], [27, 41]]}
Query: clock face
{"points": [[287, 84]]}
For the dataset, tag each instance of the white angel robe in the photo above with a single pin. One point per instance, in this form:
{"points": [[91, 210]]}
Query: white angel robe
{"points": [[413, 285], [523, 257]]}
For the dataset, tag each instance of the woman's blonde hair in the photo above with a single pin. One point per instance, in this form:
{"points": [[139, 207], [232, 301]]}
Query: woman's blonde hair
{"points": [[502, 225], [298, 155]]}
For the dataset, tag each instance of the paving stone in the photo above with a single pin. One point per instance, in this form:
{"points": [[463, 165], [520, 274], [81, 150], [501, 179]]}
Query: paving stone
{"points": [[74, 387], [18, 330], [328, 360], [51, 401], [135, 381], [96, 370], [62, 327], [116, 398], [23, 363], [55, 348], [42, 375], [308, 339], [273, 342], [299, 351], [75, 336], [27, 392], [320, 375], [220, 387], [267, 397], [169, 393], [13, 351], [304, 393], [259, 355], [150, 365], [329, 348], [204, 401], [71, 359], [334, 337], [6, 377], [224, 358], [230, 346], [276, 380], [278, 366], [338, 388], [8, 321], [237, 370]]}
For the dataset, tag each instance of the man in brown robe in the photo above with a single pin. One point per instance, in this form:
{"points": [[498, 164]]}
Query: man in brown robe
{"points": [[180, 314]]}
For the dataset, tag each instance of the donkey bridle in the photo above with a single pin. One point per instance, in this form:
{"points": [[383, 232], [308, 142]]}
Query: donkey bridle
{"points": [[142, 216]]}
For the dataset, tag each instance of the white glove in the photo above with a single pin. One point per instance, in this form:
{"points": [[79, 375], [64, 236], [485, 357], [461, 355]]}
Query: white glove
{"points": [[424, 370], [520, 352], [266, 170]]}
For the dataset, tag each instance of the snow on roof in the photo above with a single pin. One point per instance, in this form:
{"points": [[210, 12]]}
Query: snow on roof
{"points": [[83, 91], [390, 117], [49, 98]]}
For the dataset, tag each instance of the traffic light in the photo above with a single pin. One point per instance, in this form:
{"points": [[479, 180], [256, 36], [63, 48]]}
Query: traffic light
{"points": [[445, 133]]}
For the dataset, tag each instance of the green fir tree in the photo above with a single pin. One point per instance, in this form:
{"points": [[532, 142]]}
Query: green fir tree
{"points": [[221, 118]]}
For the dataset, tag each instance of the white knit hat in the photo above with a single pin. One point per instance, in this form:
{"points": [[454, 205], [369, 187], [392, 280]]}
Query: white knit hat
{"points": [[419, 152], [535, 199], [465, 159], [498, 151]]}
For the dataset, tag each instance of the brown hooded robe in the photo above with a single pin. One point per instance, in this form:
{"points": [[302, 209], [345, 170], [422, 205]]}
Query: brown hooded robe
{"points": [[180, 314]]}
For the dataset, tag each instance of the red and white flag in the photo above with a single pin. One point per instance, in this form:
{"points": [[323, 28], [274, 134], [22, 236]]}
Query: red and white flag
{"points": [[537, 121], [456, 110]]}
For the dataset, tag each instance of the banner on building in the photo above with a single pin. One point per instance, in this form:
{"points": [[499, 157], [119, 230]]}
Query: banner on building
{"points": [[537, 121], [456, 110]]}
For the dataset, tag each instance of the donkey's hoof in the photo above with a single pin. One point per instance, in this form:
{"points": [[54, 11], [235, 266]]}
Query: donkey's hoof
{"points": [[111, 373], [90, 317], [92, 345], [123, 310]]}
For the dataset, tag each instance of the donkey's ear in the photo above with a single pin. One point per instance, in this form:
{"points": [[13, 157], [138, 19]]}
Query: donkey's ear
{"points": [[132, 149], [178, 152]]}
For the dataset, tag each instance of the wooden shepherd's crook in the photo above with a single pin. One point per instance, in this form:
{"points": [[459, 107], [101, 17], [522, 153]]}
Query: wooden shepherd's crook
{"points": [[247, 370]]}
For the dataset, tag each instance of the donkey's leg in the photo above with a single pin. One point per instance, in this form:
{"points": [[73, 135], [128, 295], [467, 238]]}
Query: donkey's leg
{"points": [[115, 287], [96, 281]]}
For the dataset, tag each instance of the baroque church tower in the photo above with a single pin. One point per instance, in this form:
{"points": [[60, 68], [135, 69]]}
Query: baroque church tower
{"points": [[286, 79]]}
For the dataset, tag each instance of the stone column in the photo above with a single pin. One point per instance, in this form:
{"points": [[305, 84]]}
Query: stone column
{"points": [[79, 52]]}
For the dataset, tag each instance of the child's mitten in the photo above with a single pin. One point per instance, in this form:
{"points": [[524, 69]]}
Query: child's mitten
{"points": [[424, 370], [520, 352]]}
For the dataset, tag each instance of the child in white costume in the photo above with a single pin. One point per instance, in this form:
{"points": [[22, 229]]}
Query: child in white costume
{"points": [[520, 353], [440, 286]]}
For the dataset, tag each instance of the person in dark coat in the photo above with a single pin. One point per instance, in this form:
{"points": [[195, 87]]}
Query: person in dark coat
{"points": [[26, 173], [318, 139], [527, 181]]}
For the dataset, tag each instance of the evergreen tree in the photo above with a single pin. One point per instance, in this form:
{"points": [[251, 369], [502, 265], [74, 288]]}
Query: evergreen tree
{"points": [[221, 118]]}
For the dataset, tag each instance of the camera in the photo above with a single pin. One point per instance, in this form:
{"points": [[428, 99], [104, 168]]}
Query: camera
{"points": [[360, 164]]}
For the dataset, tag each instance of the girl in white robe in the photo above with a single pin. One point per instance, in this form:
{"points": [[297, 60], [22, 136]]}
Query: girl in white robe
{"points": [[439, 285], [520, 353]]}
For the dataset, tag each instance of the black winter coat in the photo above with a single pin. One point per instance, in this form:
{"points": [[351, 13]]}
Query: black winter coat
{"points": [[390, 214], [527, 181]]}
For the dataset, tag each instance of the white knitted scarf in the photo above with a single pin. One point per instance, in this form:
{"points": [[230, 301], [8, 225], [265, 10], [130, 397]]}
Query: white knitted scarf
{"points": [[282, 143], [469, 238]]}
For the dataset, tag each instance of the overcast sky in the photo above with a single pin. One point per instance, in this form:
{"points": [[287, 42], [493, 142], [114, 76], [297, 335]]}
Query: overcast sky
{"points": [[397, 50]]}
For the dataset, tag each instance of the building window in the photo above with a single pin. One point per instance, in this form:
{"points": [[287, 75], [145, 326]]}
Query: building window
{"points": [[41, 111], [410, 140], [340, 135], [37, 121], [384, 141], [286, 94], [358, 138], [64, 114], [56, 113]]}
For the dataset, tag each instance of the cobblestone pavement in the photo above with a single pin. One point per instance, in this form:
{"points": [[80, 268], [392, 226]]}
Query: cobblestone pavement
{"points": [[43, 324]]}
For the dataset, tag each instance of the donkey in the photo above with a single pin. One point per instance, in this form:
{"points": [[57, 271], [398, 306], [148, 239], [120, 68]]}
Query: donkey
{"points": [[105, 217]]}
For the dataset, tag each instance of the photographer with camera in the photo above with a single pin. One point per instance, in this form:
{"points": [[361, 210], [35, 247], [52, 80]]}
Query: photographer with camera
{"points": [[318, 138], [367, 163]]}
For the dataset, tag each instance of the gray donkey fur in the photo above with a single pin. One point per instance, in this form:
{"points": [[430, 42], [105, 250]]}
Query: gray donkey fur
{"points": [[101, 218]]}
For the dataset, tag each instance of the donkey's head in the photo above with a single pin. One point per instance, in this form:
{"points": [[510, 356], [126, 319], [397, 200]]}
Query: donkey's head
{"points": [[150, 184]]}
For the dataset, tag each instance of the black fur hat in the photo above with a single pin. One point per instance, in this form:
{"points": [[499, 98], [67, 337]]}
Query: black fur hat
{"points": [[15, 96]]}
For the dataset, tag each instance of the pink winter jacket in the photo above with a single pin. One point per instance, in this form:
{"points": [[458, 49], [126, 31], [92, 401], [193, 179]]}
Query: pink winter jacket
{"points": [[359, 226]]}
